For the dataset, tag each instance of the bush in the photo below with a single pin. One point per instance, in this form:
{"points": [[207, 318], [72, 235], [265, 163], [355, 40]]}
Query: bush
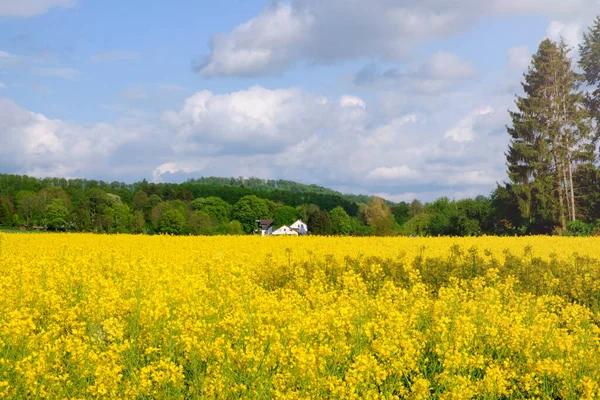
{"points": [[579, 228]]}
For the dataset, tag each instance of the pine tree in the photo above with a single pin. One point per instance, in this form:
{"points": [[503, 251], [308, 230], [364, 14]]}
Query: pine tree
{"points": [[589, 62], [550, 133]]}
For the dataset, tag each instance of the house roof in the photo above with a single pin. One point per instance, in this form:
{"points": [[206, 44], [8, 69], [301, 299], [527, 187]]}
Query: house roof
{"points": [[265, 223]]}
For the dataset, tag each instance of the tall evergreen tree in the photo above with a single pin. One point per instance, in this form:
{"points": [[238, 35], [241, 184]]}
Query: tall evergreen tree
{"points": [[550, 133], [589, 62]]}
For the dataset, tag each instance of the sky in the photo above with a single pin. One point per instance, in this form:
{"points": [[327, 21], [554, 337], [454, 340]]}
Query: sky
{"points": [[399, 98]]}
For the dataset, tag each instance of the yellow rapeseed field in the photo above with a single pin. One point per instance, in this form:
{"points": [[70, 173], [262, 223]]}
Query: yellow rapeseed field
{"points": [[136, 317]]}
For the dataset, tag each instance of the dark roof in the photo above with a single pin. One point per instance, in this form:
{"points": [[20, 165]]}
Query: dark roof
{"points": [[265, 223]]}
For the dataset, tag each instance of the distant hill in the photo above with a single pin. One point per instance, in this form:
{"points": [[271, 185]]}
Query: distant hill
{"points": [[278, 184]]}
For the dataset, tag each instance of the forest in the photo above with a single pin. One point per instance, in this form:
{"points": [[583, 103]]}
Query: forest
{"points": [[552, 187]]}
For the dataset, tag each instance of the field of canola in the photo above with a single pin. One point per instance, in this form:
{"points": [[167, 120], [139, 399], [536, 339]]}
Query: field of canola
{"points": [[136, 317]]}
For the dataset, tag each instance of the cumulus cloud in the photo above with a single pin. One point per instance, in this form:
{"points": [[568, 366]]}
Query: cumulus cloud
{"points": [[442, 71], [31, 143], [464, 130], [268, 42], [29, 8], [339, 143], [252, 120], [448, 66], [325, 31], [387, 173], [352, 101], [570, 32], [275, 133]]}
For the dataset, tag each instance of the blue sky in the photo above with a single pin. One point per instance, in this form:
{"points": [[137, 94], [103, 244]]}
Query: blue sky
{"points": [[399, 98]]}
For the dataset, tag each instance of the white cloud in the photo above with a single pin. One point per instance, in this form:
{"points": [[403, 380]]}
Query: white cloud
{"points": [[391, 173], [256, 119], [115, 55], [31, 143], [448, 66], [441, 72], [570, 32], [186, 167], [29, 8], [2, 85], [325, 31], [340, 144], [64, 73], [282, 133], [352, 101], [464, 130], [267, 42]]}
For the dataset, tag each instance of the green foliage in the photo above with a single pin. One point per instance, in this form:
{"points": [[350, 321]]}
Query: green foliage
{"points": [[235, 228], [140, 201], [216, 208], [201, 223], [229, 228], [550, 135], [248, 210], [417, 226], [138, 222], [384, 225], [357, 228], [441, 212], [57, 215], [157, 214], [320, 224], [401, 212], [416, 208], [6, 213], [276, 185], [94, 204], [172, 222], [589, 62], [465, 226], [579, 228], [306, 211], [285, 215], [341, 222], [154, 200], [29, 206], [122, 218]]}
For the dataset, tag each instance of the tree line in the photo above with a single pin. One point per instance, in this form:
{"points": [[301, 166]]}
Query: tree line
{"points": [[187, 208], [96, 206]]}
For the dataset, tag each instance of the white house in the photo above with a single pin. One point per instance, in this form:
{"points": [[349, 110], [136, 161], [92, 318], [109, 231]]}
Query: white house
{"points": [[265, 226], [285, 230], [300, 227]]}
